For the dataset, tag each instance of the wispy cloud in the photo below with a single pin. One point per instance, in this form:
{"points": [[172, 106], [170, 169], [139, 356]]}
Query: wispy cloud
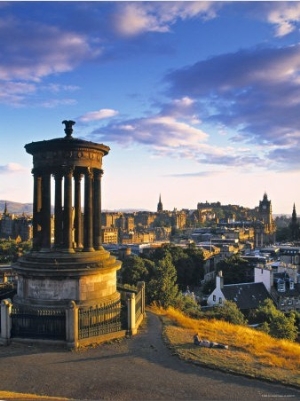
{"points": [[32, 50], [133, 18], [196, 174], [12, 168], [175, 132], [285, 16], [98, 115], [244, 91]]}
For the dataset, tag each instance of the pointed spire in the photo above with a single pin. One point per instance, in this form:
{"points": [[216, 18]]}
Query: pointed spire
{"points": [[159, 205], [5, 208], [294, 214]]}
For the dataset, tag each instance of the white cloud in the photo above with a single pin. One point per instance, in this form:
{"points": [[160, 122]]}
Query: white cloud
{"points": [[136, 18], [285, 16], [31, 51], [98, 115], [12, 168], [15, 92]]}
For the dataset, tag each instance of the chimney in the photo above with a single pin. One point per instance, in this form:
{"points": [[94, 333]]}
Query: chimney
{"points": [[220, 280]]}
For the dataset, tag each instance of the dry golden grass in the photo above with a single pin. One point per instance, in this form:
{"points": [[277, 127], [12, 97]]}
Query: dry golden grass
{"points": [[7, 395], [250, 352]]}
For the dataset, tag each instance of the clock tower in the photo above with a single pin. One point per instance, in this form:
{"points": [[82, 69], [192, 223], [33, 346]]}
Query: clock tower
{"points": [[265, 231]]}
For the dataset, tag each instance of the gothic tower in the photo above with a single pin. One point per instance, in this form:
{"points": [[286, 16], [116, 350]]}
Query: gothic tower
{"points": [[159, 205], [265, 210], [265, 227], [294, 226]]}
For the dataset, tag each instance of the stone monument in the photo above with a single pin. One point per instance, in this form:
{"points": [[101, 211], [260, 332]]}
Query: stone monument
{"points": [[67, 262]]}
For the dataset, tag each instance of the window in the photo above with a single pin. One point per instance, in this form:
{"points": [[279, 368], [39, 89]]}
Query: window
{"points": [[214, 298], [220, 300]]}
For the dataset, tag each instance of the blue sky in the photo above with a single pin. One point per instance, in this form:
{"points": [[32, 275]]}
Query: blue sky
{"points": [[198, 101]]}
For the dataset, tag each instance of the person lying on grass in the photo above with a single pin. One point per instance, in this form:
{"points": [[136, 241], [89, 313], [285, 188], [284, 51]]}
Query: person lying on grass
{"points": [[207, 343]]}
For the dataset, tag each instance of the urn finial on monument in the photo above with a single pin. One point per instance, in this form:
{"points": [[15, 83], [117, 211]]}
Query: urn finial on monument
{"points": [[68, 127]]}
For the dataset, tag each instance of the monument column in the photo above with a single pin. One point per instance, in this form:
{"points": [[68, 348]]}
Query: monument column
{"points": [[67, 221], [88, 211], [37, 205], [97, 209], [46, 212], [78, 213], [58, 218]]}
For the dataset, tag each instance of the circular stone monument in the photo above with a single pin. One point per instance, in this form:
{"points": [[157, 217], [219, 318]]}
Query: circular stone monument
{"points": [[67, 261]]}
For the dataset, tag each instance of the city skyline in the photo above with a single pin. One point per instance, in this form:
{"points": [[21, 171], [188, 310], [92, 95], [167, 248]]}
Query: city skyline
{"points": [[198, 101]]}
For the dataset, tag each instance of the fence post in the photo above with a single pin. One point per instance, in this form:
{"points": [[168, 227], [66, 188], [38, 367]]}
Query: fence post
{"points": [[131, 313], [141, 288], [72, 325], [6, 307]]}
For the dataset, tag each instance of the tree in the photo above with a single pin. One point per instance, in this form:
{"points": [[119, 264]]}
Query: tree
{"points": [[275, 322], [162, 288], [135, 269], [228, 312], [188, 262], [235, 270]]}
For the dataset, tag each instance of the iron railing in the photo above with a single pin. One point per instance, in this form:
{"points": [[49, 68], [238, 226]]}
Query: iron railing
{"points": [[38, 323], [96, 321]]}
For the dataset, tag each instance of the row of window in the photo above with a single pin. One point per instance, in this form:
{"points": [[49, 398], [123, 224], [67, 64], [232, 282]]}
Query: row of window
{"points": [[290, 301], [215, 298]]}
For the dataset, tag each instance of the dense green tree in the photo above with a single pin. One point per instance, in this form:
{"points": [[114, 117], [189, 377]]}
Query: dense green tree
{"points": [[275, 322], [162, 287], [188, 262], [136, 269], [228, 312], [188, 305], [11, 250], [235, 270], [197, 257], [209, 286]]}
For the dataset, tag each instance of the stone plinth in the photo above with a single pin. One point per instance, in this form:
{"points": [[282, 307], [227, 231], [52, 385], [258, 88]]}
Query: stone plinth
{"points": [[55, 279]]}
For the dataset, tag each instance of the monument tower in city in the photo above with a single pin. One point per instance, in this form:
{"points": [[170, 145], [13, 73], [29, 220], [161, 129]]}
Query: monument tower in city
{"points": [[67, 263]]}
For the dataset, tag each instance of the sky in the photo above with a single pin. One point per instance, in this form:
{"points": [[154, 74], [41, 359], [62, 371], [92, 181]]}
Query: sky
{"points": [[198, 101]]}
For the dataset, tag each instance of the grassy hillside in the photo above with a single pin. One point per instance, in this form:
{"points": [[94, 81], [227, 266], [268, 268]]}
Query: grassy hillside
{"points": [[251, 353]]}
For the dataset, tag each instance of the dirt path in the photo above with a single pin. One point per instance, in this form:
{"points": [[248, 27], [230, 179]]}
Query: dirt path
{"points": [[139, 368]]}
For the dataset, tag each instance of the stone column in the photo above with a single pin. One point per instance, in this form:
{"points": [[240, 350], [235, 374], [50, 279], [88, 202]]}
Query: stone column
{"points": [[131, 313], [97, 209], [72, 325], [88, 211], [141, 288], [46, 212], [6, 307], [68, 210], [37, 205], [58, 210], [78, 212]]}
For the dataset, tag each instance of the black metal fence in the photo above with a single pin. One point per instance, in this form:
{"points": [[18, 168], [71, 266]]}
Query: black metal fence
{"points": [[51, 323], [38, 323], [97, 321]]}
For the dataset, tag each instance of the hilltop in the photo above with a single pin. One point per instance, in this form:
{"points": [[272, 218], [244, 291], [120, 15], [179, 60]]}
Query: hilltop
{"points": [[16, 207]]}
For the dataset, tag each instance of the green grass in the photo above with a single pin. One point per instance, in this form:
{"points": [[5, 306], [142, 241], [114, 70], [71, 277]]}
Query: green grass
{"points": [[251, 353]]}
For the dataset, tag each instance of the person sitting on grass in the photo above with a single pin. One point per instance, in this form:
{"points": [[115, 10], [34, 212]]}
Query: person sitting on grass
{"points": [[207, 343]]}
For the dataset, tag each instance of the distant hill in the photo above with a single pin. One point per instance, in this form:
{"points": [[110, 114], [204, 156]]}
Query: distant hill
{"points": [[15, 207]]}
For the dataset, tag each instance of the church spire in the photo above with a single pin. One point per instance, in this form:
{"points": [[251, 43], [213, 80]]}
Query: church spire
{"points": [[294, 226], [294, 215], [159, 205]]}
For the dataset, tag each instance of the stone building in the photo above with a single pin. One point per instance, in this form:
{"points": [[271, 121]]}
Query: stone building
{"points": [[7, 224]]}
